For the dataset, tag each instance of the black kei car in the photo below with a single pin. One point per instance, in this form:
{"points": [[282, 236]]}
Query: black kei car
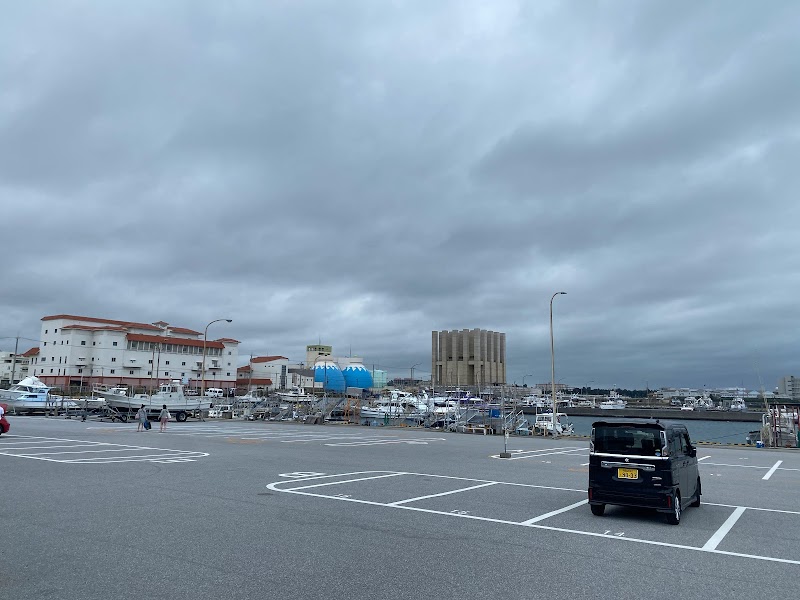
{"points": [[644, 464]]}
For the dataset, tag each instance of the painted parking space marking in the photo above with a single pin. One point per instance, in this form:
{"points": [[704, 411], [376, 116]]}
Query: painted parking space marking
{"points": [[304, 436], [440, 494], [89, 452], [554, 513], [709, 546], [772, 470], [720, 533], [524, 454]]}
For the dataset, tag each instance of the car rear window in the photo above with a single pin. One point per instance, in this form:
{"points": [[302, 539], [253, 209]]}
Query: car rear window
{"points": [[627, 439]]}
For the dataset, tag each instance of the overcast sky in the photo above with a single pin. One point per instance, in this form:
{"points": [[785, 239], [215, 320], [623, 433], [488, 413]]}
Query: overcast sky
{"points": [[362, 173]]}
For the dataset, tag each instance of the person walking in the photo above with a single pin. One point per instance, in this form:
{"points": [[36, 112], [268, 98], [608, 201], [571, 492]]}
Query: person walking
{"points": [[141, 419], [164, 416]]}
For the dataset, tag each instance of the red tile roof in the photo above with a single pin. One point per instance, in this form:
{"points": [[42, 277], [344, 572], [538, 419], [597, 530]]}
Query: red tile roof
{"points": [[32, 352], [243, 369], [108, 321], [229, 340], [183, 330], [157, 326], [263, 359]]}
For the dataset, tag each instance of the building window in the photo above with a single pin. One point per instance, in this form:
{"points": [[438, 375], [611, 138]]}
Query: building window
{"points": [[114, 359], [51, 371], [94, 343], [112, 371], [45, 330], [166, 373], [183, 364], [83, 342], [130, 372], [52, 359], [114, 344], [149, 372], [150, 362], [54, 331], [227, 374], [166, 362], [80, 371]]}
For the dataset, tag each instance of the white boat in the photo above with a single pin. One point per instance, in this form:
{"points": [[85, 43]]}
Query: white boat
{"points": [[544, 422], [614, 402], [295, 395], [398, 404], [26, 386], [30, 394], [737, 404], [169, 394]]}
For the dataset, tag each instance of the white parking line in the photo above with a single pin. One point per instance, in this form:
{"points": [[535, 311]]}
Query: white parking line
{"points": [[305, 487], [56, 452], [554, 513], [523, 454], [531, 523], [473, 487], [720, 534], [772, 470]]}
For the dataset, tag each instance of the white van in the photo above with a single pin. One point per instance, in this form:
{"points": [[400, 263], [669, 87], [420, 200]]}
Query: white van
{"points": [[214, 392]]}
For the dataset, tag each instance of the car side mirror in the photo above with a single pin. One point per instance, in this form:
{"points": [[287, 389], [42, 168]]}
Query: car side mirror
{"points": [[692, 451]]}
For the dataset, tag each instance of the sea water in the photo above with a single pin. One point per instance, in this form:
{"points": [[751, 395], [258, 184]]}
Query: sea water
{"points": [[724, 432]]}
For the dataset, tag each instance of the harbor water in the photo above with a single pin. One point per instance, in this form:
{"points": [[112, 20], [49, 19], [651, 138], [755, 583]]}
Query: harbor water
{"points": [[724, 432]]}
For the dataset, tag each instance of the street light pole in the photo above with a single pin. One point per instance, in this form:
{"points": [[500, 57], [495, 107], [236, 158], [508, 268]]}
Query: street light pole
{"points": [[412, 374], [203, 366], [553, 364]]}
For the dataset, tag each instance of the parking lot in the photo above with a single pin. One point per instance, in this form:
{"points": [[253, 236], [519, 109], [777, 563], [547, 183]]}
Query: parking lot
{"points": [[342, 511]]}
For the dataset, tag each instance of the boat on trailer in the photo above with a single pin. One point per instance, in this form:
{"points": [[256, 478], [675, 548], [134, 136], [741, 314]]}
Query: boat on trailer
{"points": [[170, 394]]}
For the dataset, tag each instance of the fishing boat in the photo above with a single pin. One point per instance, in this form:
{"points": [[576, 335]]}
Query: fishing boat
{"points": [[397, 404], [543, 423], [614, 402], [29, 395], [169, 394], [295, 395]]}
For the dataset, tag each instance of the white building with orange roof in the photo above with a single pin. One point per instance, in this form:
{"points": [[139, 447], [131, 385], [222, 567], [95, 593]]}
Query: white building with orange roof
{"points": [[76, 350]]}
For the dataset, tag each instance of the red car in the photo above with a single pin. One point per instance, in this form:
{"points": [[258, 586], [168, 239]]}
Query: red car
{"points": [[4, 426]]}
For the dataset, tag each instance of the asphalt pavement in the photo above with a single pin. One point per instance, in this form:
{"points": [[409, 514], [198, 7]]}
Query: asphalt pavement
{"points": [[229, 509]]}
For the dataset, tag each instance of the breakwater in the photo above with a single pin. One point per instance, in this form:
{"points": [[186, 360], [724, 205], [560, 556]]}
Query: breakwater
{"points": [[642, 412]]}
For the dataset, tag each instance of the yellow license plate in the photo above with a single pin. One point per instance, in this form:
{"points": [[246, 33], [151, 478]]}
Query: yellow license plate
{"points": [[628, 473]]}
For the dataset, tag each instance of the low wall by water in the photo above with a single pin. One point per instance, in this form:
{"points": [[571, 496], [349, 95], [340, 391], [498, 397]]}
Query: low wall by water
{"points": [[658, 413]]}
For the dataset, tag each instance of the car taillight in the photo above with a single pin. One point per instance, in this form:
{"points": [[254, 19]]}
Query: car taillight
{"points": [[591, 441]]}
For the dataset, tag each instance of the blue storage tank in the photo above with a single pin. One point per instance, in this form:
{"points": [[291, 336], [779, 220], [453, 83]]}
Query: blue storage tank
{"points": [[356, 375], [329, 375]]}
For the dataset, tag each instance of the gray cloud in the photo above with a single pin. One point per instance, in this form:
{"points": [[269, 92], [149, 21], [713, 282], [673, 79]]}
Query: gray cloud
{"points": [[363, 174]]}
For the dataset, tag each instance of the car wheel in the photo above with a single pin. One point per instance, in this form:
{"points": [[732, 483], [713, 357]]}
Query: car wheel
{"points": [[697, 499], [180, 417], [598, 509], [674, 518]]}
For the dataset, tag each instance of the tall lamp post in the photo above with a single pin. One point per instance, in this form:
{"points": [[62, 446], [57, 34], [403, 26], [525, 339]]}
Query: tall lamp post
{"points": [[412, 374], [553, 364], [203, 365]]}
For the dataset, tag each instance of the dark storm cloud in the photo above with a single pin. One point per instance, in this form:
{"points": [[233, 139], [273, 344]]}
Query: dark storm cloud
{"points": [[362, 174]]}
